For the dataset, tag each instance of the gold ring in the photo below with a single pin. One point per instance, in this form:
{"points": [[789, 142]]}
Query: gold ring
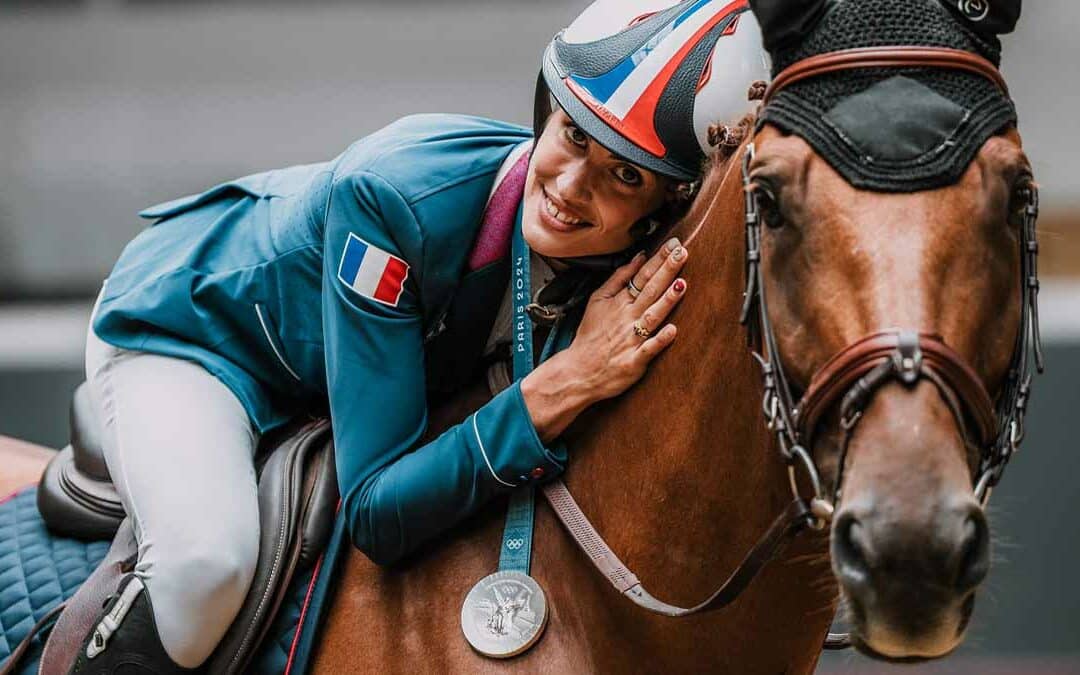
{"points": [[640, 330], [632, 289]]}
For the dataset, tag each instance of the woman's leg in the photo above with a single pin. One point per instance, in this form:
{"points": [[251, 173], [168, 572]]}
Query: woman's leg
{"points": [[179, 447]]}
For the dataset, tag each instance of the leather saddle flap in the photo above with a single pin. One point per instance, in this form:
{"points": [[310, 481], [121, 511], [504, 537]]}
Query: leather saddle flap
{"points": [[298, 496], [297, 500]]}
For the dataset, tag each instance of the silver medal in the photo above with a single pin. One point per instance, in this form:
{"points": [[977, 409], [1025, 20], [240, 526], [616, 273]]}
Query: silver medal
{"points": [[504, 614]]}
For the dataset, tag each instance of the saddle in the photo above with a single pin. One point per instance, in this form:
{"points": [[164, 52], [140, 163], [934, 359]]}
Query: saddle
{"points": [[298, 497]]}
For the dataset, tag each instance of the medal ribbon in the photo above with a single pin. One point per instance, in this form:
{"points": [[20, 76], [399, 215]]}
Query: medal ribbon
{"points": [[516, 551]]}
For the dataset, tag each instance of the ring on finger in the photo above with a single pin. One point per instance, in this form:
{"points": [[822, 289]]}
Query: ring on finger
{"points": [[632, 289], [640, 330]]}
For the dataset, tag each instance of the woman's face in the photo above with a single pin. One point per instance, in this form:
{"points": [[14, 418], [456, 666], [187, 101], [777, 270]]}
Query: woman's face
{"points": [[580, 199]]}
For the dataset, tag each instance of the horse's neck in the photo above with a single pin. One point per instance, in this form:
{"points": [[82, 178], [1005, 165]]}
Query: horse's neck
{"points": [[677, 474]]}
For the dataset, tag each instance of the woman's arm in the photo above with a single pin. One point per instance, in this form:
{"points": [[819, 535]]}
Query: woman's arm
{"points": [[396, 492]]}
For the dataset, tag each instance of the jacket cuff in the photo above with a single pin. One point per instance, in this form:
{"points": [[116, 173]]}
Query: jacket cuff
{"points": [[504, 436]]}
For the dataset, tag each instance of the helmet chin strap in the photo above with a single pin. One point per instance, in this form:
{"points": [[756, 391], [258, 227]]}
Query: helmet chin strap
{"points": [[541, 106]]}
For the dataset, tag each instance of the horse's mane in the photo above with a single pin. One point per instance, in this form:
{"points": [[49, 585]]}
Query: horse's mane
{"points": [[727, 139]]}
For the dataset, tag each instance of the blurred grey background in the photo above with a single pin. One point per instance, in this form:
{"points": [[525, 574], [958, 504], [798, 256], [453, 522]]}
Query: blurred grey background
{"points": [[107, 106]]}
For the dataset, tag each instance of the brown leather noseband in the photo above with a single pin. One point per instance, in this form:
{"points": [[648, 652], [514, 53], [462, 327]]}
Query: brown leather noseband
{"points": [[857, 371], [854, 375]]}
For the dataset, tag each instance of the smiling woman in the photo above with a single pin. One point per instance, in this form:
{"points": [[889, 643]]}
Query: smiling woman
{"points": [[581, 198], [371, 284]]}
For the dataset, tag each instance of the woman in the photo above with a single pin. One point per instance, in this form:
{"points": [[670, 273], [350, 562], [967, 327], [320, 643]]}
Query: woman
{"points": [[373, 282]]}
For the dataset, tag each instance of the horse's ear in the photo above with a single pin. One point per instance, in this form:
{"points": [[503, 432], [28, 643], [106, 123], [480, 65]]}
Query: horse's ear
{"points": [[785, 21], [990, 17]]}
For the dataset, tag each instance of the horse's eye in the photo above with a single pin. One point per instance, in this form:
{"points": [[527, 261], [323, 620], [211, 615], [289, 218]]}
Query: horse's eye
{"points": [[768, 207]]}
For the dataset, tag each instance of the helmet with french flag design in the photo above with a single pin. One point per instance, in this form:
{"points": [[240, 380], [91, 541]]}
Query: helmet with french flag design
{"points": [[647, 78]]}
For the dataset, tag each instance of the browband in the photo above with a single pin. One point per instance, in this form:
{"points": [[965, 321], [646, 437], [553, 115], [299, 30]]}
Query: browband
{"points": [[886, 57]]}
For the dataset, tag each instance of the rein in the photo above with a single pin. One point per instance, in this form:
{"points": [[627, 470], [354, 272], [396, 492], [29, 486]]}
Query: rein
{"points": [[852, 376]]}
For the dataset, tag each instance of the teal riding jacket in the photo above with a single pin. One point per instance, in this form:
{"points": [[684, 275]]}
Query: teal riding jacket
{"points": [[278, 284]]}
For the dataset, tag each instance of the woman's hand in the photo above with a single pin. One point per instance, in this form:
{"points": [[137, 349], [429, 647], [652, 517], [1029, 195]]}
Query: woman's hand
{"points": [[607, 355]]}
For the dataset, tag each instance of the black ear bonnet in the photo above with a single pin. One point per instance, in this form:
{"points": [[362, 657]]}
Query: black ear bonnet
{"points": [[889, 129]]}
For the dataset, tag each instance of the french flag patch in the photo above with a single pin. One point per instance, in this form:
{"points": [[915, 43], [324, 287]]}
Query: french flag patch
{"points": [[372, 272]]}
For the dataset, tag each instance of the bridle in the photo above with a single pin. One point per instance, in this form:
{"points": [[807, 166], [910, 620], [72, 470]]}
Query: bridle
{"points": [[852, 376]]}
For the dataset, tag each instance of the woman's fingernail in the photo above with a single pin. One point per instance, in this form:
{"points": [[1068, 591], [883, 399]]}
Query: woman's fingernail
{"points": [[639, 257], [680, 285], [678, 253], [672, 243]]}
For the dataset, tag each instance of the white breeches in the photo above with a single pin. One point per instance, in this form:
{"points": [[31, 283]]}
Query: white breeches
{"points": [[179, 446]]}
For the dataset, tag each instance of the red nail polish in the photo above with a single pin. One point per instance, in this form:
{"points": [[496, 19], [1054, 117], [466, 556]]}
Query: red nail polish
{"points": [[680, 285]]}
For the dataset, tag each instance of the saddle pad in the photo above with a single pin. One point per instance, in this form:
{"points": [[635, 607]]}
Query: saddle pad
{"points": [[39, 570]]}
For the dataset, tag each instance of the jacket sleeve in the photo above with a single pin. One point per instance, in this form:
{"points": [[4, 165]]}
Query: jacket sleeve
{"points": [[397, 495]]}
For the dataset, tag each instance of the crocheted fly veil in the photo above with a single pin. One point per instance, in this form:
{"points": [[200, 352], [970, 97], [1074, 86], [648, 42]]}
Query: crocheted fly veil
{"points": [[889, 129]]}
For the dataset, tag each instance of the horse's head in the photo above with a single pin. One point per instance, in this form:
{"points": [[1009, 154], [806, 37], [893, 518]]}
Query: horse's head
{"points": [[894, 207], [910, 541]]}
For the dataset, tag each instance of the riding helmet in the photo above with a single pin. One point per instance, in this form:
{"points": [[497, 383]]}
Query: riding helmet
{"points": [[646, 78]]}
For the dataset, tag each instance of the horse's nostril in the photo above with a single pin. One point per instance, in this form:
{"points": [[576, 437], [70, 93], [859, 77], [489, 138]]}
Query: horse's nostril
{"points": [[849, 550], [974, 552]]}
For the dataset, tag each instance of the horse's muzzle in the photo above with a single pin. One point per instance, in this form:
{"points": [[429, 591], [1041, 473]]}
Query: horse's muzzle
{"points": [[910, 582]]}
